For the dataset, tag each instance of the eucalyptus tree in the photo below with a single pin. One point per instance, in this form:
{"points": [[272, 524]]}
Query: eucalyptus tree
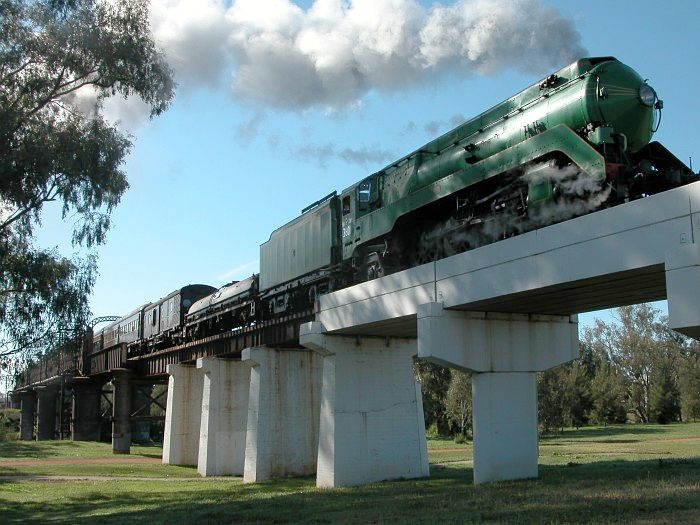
{"points": [[59, 61]]}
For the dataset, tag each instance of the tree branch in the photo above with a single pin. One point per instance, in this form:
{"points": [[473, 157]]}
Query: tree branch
{"points": [[36, 203]]}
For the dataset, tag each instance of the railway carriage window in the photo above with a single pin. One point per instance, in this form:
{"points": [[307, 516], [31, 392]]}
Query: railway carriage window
{"points": [[346, 205], [153, 317]]}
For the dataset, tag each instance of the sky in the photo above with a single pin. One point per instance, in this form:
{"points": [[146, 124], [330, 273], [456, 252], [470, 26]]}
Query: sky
{"points": [[280, 103]]}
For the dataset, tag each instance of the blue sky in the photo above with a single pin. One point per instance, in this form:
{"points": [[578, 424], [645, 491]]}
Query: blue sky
{"points": [[214, 175]]}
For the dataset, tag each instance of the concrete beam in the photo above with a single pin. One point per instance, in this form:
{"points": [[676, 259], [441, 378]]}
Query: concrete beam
{"points": [[183, 415], [121, 411], [372, 425], [283, 413], [222, 436], [495, 342]]}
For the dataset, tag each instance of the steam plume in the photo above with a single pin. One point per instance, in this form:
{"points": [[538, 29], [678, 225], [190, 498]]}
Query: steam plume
{"points": [[579, 194], [337, 51], [274, 54]]}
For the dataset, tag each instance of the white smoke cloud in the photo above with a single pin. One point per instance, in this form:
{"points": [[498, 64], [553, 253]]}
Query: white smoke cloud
{"points": [[274, 54], [193, 35], [323, 153], [335, 52], [332, 54]]}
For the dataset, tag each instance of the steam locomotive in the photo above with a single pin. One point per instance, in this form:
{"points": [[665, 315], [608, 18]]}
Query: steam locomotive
{"points": [[576, 142]]}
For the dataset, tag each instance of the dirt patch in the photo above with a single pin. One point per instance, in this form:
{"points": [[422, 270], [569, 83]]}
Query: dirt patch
{"points": [[55, 479], [77, 461], [676, 440]]}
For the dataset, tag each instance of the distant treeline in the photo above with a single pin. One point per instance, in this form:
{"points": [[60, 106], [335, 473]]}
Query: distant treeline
{"points": [[634, 369]]}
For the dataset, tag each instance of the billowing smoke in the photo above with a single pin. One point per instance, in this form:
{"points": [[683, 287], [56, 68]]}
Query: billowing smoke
{"points": [[274, 54], [193, 34], [323, 153], [579, 193], [337, 51], [576, 195], [435, 126]]}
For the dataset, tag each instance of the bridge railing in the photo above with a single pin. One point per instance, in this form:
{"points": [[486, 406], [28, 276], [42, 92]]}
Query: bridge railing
{"points": [[57, 363]]}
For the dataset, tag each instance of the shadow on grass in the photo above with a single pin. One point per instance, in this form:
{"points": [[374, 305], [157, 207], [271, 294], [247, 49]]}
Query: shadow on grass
{"points": [[610, 491], [601, 433], [147, 451], [35, 449]]}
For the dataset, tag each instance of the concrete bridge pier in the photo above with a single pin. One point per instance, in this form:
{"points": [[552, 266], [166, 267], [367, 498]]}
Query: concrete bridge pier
{"points": [[372, 426], [683, 288], [121, 411], [183, 415], [222, 433], [26, 415], [505, 351], [46, 412], [283, 413]]}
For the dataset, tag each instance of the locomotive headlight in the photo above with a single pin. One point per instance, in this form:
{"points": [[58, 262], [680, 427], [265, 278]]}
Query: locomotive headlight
{"points": [[647, 95]]}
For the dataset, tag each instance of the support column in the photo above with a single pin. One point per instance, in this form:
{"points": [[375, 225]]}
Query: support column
{"points": [[85, 417], [183, 415], [222, 436], [26, 415], [372, 426], [505, 351], [121, 412], [683, 290], [504, 408], [46, 413], [283, 413]]}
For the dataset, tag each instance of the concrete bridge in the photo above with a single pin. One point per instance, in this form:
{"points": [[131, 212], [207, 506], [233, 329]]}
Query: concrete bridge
{"points": [[348, 407]]}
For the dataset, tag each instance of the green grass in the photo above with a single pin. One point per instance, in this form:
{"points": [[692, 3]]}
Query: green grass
{"points": [[66, 449], [31, 450], [627, 474]]}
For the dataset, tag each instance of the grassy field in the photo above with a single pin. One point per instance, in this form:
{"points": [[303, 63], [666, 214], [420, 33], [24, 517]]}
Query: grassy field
{"points": [[627, 474]]}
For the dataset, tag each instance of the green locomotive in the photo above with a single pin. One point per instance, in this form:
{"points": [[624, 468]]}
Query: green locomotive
{"points": [[577, 141]]}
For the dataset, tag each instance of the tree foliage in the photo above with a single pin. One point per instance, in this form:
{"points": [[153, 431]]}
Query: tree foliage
{"points": [[435, 381], [59, 60], [689, 383], [553, 399], [458, 402]]}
